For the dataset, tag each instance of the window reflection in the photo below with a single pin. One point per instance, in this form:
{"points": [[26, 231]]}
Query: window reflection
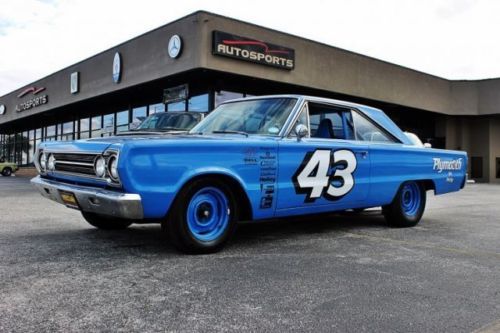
{"points": [[198, 103], [155, 108], [96, 126], [122, 121], [223, 96], [108, 125], [177, 106]]}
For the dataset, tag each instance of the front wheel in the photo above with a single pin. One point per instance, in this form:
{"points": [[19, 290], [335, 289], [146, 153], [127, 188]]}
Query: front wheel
{"points": [[105, 222], [203, 217], [6, 172], [408, 206]]}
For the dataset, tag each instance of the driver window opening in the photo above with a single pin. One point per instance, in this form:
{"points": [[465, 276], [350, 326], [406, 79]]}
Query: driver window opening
{"points": [[330, 122]]}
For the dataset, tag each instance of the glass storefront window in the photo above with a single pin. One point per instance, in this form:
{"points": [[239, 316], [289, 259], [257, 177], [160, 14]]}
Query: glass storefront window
{"points": [[223, 96], [67, 131], [138, 113], [108, 125], [122, 118], [59, 131], [84, 124], [67, 127], [84, 130], [155, 108], [50, 133], [198, 103], [177, 106], [96, 126], [122, 121], [37, 143], [31, 146]]}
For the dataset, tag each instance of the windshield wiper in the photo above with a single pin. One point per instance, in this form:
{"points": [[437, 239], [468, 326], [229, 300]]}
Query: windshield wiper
{"points": [[231, 132], [171, 128]]}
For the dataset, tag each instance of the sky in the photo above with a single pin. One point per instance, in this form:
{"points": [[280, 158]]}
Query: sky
{"points": [[453, 39]]}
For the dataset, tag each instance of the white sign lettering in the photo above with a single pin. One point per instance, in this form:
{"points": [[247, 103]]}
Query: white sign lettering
{"points": [[440, 165]]}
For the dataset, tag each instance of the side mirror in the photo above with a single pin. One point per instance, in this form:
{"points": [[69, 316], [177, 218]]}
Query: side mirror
{"points": [[301, 131], [427, 145]]}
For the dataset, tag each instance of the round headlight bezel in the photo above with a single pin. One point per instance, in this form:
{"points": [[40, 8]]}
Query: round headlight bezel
{"points": [[51, 163], [43, 161], [113, 168], [100, 167]]}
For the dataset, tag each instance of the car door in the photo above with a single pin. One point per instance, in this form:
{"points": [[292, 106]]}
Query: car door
{"points": [[326, 170]]}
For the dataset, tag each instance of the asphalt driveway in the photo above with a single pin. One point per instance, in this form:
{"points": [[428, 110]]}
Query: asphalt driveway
{"points": [[343, 273]]}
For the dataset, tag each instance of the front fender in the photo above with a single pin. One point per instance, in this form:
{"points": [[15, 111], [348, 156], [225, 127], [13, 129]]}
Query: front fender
{"points": [[158, 173]]}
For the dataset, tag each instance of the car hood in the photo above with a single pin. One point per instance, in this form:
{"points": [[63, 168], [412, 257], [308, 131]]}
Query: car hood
{"points": [[98, 145]]}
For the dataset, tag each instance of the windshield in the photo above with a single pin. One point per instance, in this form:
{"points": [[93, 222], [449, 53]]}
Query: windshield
{"points": [[180, 121], [258, 116]]}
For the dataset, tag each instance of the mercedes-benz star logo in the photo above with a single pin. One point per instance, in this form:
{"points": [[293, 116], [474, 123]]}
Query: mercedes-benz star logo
{"points": [[174, 46]]}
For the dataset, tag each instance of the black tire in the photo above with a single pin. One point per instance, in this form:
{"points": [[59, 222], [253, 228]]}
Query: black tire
{"points": [[6, 172], [408, 206], [177, 226], [106, 222]]}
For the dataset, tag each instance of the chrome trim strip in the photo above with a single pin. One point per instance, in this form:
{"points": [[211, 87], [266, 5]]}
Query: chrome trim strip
{"points": [[74, 163], [87, 152], [94, 200], [81, 175], [291, 117]]}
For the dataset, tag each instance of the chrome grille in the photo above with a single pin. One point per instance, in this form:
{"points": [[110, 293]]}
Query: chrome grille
{"points": [[75, 163]]}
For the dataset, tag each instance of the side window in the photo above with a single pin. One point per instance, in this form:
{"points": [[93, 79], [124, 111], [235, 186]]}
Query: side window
{"points": [[330, 122], [367, 131]]}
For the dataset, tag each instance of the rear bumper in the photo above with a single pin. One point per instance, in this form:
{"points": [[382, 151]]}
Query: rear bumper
{"points": [[92, 199]]}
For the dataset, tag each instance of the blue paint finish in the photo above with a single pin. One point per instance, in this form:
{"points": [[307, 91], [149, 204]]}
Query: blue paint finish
{"points": [[280, 176], [158, 169], [75, 146], [292, 152]]}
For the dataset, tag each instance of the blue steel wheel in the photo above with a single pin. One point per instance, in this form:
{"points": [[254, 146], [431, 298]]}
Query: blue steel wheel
{"points": [[208, 214], [410, 198], [203, 216], [408, 206]]}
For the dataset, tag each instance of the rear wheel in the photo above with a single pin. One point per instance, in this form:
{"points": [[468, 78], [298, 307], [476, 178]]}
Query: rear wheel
{"points": [[203, 217], [6, 172], [408, 206], [106, 222]]}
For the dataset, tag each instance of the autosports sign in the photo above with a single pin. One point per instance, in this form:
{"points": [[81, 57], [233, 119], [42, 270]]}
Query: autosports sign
{"points": [[252, 50], [35, 98]]}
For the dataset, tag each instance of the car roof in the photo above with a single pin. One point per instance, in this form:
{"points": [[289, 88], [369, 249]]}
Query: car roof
{"points": [[377, 115]]}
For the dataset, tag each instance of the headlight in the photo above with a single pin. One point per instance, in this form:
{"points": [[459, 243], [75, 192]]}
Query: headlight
{"points": [[100, 167], [43, 162], [51, 164], [113, 167]]}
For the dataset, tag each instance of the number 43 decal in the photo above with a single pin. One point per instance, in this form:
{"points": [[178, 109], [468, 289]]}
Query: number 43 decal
{"points": [[325, 173]]}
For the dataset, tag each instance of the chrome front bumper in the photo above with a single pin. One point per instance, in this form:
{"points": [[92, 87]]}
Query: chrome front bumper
{"points": [[92, 199]]}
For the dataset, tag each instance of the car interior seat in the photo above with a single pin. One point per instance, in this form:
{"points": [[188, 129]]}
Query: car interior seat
{"points": [[325, 129]]}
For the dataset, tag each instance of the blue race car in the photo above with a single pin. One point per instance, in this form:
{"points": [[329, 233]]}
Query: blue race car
{"points": [[250, 159]]}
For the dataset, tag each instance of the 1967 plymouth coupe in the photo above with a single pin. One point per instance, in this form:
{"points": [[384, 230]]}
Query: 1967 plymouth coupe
{"points": [[250, 159]]}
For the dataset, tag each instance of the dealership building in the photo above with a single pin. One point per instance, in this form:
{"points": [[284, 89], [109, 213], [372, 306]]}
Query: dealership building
{"points": [[200, 60]]}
